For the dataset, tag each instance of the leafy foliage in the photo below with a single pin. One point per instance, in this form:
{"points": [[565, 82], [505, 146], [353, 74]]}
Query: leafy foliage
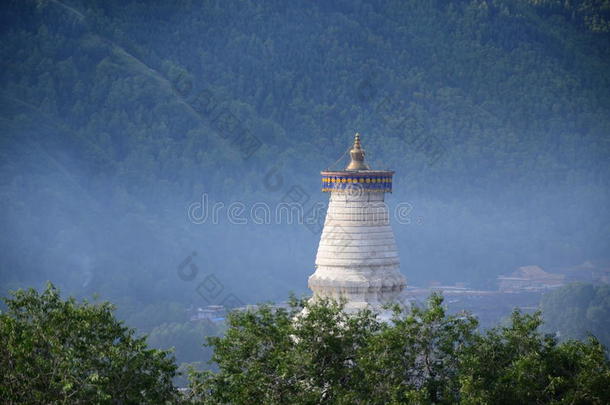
{"points": [[63, 351], [425, 356], [106, 138], [416, 357], [516, 364]]}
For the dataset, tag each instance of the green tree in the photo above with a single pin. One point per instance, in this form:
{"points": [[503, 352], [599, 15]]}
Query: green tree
{"points": [[323, 355], [416, 357], [517, 364], [69, 352], [423, 356]]}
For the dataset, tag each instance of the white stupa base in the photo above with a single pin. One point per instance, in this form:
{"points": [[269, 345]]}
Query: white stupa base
{"points": [[357, 258]]}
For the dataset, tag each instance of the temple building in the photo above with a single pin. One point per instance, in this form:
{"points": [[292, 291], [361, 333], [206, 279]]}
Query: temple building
{"points": [[357, 257], [530, 278]]}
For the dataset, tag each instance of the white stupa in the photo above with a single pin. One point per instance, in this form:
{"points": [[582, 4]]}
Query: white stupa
{"points": [[357, 257]]}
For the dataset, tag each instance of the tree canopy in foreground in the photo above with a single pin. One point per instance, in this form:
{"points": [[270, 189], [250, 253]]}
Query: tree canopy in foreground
{"points": [[67, 352], [425, 356]]}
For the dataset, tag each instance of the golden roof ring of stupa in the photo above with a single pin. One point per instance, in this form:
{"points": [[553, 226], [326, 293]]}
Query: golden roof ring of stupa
{"points": [[357, 174]]}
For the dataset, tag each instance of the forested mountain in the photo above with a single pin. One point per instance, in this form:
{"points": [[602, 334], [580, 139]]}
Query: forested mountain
{"points": [[117, 115], [578, 311]]}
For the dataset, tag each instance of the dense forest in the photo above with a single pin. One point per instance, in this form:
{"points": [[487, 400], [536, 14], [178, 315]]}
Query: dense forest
{"points": [[116, 116], [578, 311]]}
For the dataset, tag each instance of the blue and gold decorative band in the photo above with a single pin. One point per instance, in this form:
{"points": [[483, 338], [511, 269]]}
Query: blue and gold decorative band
{"points": [[343, 181]]}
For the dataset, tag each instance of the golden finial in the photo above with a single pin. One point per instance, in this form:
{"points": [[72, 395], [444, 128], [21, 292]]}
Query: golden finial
{"points": [[357, 155]]}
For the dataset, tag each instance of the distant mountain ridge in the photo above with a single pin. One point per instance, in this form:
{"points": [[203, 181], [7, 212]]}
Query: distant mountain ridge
{"points": [[106, 137]]}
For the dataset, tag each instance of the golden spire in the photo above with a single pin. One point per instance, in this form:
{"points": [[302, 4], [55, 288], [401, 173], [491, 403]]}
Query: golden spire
{"points": [[357, 155]]}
